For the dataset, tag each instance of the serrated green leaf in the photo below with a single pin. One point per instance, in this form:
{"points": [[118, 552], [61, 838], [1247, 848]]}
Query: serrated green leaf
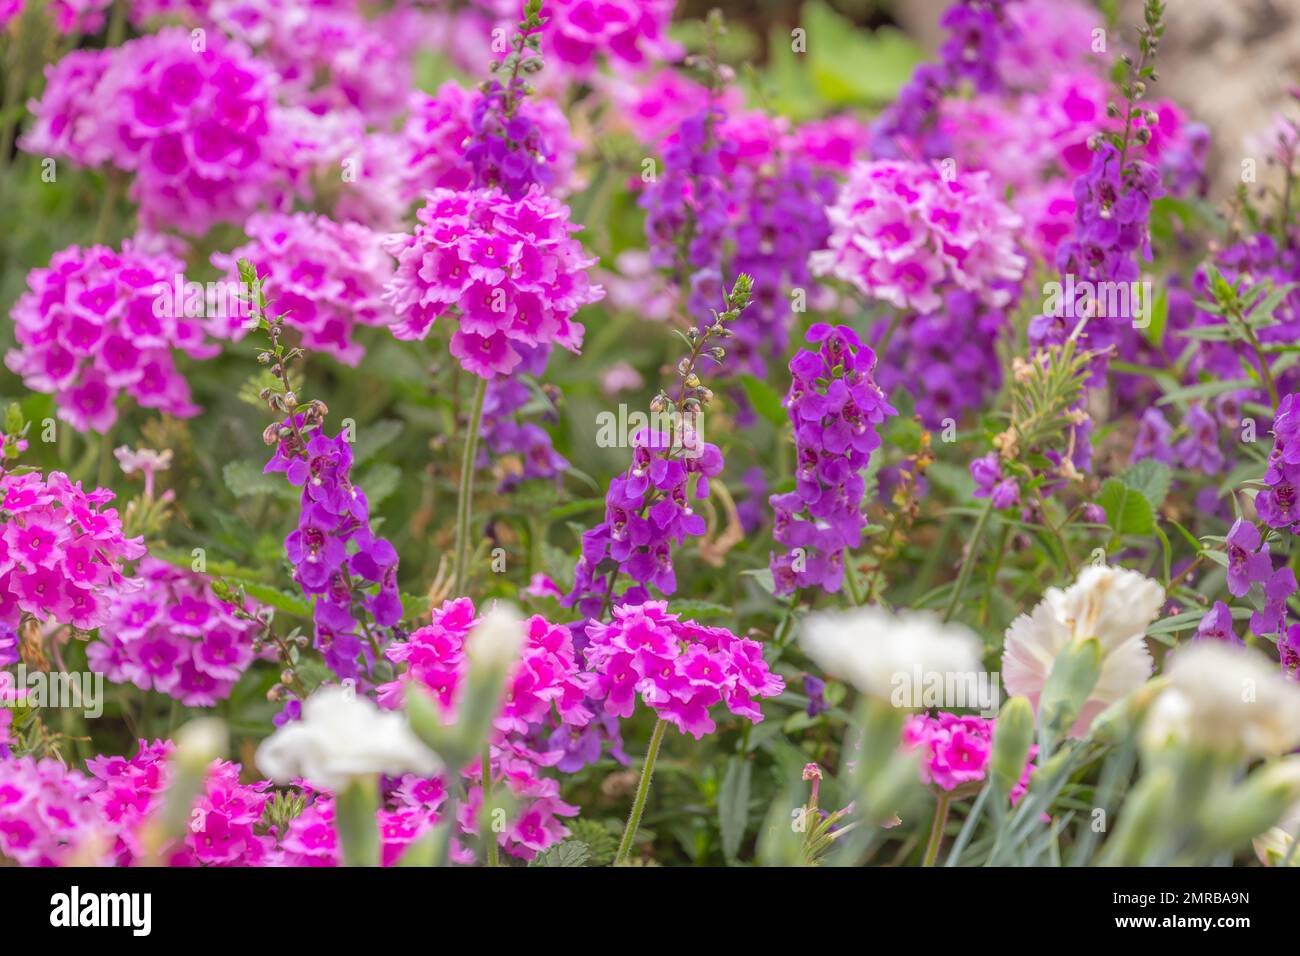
{"points": [[1127, 509], [1151, 478], [568, 853]]}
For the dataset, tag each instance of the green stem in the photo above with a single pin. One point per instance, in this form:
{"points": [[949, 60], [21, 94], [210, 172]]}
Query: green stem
{"points": [[489, 838], [936, 830], [642, 791], [465, 501], [968, 563]]}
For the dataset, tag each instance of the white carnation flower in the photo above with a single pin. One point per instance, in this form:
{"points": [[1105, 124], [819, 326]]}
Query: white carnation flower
{"points": [[341, 736], [871, 647], [1227, 698], [1113, 605]]}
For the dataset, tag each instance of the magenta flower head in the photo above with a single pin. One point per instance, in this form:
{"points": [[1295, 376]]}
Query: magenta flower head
{"points": [[679, 669], [193, 125], [508, 270], [628, 34], [175, 636], [62, 554], [546, 703], [835, 408], [96, 323], [325, 277]]}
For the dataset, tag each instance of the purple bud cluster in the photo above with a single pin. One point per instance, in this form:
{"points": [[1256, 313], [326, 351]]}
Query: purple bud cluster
{"points": [[337, 558], [835, 407], [647, 511], [909, 126], [506, 432]]}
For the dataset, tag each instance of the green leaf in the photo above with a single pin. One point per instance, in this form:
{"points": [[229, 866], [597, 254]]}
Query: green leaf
{"points": [[733, 806], [765, 399], [246, 480], [372, 438], [568, 853], [380, 481], [1127, 509], [280, 600], [1204, 390], [700, 610], [1151, 478]]}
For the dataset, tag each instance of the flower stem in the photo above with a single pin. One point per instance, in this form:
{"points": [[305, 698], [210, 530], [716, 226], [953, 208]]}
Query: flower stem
{"points": [[465, 500], [489, 837], [968, 563], [936, 830], [642, 791]]}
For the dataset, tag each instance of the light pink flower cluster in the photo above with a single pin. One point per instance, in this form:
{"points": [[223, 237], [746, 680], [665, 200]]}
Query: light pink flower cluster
{"points": [[325, 277], [901, 231], [510, 269], [96, 323], [629, 34], [61, 551], [438, 128], [174, 636], [547, 690], [190, 117], [679, 669], [956, 750]]}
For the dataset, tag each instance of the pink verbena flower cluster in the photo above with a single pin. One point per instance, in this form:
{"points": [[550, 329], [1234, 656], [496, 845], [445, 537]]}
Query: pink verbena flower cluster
{"points": [[439, 127], [174, 636], [679, 669], [96, 323], [629, 34], [547, 691], [61, 551], [325, 277], [223, 825], [327, 56], [194, 126], [510, 269], [46, 816], [955, 750], [901, 230], [835, 408]]}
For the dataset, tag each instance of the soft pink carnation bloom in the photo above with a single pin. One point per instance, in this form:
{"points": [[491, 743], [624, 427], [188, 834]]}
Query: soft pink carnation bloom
{"points": [[326, 277], [626, 33], [174, 636], [93, 325], [679, 669], [61, 551], [900, 231], [509, 270]]}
